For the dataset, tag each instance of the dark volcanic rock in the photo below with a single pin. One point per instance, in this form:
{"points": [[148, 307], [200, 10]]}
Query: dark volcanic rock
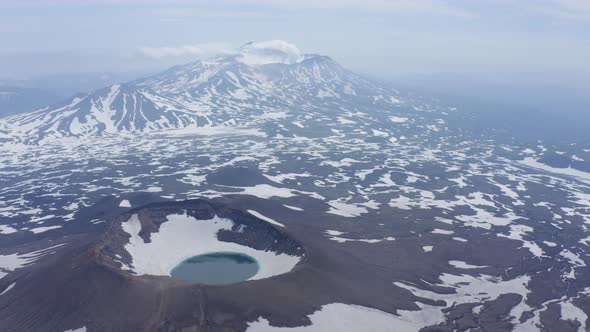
{"points": [[237, 176], [85, 285]]}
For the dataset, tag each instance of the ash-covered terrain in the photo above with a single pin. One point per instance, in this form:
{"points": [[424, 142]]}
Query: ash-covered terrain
{"points": [[367, 209]]}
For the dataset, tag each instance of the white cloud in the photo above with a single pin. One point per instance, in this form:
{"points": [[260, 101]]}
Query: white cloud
{"points": [[183, 51], [272, 51]]}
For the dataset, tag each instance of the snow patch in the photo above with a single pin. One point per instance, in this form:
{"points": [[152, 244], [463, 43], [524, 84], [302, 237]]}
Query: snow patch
{"points": [[12, 262], [125, 203], [335, 236], [572, 313], [265, 218], [38, 230], [350, 318], [441, 231], [292, 207], [82, 329], [5, 229], [396, 119], [8, 288], [579, 175], [427, 248], [463, 265]]}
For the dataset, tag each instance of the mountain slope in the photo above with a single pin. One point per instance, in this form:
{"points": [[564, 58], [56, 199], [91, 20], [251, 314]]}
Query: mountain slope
{"points": [[232, 90], [116, 109]]}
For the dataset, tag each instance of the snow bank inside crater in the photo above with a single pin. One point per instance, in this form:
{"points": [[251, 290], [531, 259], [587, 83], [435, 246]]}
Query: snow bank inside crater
{"points": [[183, 236]]}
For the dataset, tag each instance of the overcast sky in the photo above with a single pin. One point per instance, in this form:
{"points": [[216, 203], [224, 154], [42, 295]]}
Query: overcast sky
{"points": [[373, 36]]}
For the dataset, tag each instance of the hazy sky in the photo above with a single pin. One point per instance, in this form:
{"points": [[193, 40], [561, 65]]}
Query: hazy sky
{"points": [[374, 36]]}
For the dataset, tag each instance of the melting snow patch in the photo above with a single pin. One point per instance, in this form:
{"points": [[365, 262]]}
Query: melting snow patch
{"points": [[572, 313], [266, 191], [572, 258], [441, 231], [265, 218], [470, 289], [345, 209], [8, 288], [380, 133], [279, 178], [517, 232], [396, 119], [4, 229], [351, 318], [38, 230], [82, 329], [154, 189], [292, 207], [346, 162], [485, 219], [125, 203], [335, 236], [210, 131], [14, 261], [580, 175], [463, 265]]}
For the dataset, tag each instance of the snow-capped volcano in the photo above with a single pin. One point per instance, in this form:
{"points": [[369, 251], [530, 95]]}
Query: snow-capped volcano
{"points": [[226, 90]]}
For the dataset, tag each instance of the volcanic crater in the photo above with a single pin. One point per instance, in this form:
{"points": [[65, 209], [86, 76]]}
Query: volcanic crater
{"points": [[154, 240]]}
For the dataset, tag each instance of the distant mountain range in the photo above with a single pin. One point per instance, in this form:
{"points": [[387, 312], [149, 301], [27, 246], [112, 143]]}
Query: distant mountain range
{"points": [[29, 94], [14, 100]]}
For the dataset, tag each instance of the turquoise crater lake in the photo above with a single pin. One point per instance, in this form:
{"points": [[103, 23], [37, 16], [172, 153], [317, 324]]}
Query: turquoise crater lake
{"points": [[217, 268]]}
